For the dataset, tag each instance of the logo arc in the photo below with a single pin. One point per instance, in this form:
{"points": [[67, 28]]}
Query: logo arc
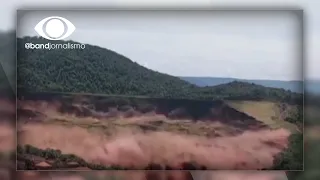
{"points": [[54, 28]]}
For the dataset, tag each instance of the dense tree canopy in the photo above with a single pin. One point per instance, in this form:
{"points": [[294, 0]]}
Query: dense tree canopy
{"points": [[292, 157], [99, 70]]}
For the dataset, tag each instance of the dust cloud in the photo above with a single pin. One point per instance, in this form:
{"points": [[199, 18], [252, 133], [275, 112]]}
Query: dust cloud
{"points": [[249, 150]]}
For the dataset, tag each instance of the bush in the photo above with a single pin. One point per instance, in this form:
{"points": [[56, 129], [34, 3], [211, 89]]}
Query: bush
{"points": [[29, 165], [292, 158], [145, 108]]}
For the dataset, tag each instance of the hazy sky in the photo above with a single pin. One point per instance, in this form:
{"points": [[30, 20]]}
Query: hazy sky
{"points": [[261, 46]]}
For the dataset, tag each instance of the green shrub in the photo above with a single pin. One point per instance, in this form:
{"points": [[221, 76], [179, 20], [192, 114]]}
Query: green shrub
{"points": [[292, 157]]}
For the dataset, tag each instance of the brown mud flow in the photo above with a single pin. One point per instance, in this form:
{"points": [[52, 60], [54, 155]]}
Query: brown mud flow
{"points": [[7, 138], [153, 175], [135, 133]]}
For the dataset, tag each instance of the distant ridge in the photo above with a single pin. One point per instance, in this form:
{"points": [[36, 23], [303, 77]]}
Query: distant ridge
{"points": [[294, 86]]}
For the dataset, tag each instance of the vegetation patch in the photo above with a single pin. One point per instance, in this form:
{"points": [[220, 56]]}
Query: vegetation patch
{"points": [[56, 160]]}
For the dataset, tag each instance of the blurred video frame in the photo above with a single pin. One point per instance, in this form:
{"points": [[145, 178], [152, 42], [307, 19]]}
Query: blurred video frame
{"points": [[7, 140], [95, 109]]}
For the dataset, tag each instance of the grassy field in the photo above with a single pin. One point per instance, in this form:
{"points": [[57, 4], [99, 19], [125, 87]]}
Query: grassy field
{"points": [[271, 113]]}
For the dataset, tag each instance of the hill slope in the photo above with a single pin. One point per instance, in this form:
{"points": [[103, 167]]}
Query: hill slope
{"points": [[99, 70], [295, 86], [94, 70], [275, 115]]}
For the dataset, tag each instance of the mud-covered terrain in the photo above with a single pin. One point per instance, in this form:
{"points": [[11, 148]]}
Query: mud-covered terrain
{"points": [[152, 175], [7, 138], [108, 132]]}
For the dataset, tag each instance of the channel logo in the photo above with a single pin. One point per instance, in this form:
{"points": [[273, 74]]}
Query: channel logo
{"points": [[54, 28]]}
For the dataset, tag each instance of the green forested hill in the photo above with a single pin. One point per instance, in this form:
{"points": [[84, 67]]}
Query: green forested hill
{"points": [[99, 70], [94, 70]]}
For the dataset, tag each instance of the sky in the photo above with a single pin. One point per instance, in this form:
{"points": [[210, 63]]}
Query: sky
{"points": [[250, 46]]}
